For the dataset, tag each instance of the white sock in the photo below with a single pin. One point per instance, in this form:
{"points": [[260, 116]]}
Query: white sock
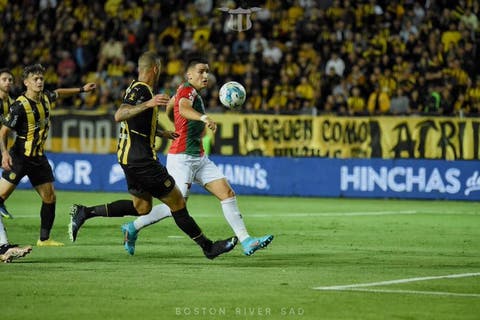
{"points": [[158, 212], [3, 233], [234, 218]]}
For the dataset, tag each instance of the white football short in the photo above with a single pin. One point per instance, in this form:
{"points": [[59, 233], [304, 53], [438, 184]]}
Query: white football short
{"points": [[186, 169]]}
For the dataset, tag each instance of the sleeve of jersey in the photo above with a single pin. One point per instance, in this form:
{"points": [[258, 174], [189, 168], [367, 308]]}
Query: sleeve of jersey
{"points": [[52, 95], [14, 116], [187, 93], [135, 95]]}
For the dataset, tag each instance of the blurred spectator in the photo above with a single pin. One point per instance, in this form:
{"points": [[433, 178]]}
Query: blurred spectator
{"points": [[399, 103], [470, 19], [356, 103], [336, 63], [277, 102], [273, 52], [241, 45], [258, 43], [379, 101], [304, 91], [451, 37], [111, 49], [83, 55], [66, 70]]}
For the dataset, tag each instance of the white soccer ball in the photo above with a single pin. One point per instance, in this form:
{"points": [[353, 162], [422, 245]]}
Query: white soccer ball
{"points": [[232, 95]]}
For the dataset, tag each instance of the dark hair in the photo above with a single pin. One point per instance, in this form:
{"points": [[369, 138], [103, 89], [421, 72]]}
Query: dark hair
{"points": [[6, 70], [33, 69], [194, 60]]}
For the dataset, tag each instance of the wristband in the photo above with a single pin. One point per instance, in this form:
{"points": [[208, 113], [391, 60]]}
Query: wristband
{"points": [[204, 118], [81, 90]]}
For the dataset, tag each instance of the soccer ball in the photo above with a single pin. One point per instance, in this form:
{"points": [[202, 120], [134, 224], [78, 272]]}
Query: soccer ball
{"points": [[232, 95]]}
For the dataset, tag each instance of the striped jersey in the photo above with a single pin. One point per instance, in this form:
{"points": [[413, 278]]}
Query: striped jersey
{"points": [[136, 141], [5, 105], [31, 121], [191, 131]]}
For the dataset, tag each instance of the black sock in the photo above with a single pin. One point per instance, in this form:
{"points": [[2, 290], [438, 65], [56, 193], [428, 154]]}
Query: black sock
{"points": [[186, 223], [2, 201], [119, 208], [4, 248], [47, 216]]}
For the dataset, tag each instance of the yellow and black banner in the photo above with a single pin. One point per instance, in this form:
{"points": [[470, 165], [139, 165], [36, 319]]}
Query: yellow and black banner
{"points": [[295, 136]]}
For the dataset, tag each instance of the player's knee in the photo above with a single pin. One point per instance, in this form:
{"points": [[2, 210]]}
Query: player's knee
{"points": [[143, 209], [230, 193], [49, 198], [226, 194]]}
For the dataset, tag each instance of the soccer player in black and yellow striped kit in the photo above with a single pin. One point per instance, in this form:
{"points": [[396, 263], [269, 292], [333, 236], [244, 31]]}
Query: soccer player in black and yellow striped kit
{"points": [[8, 251], [29, 117]]}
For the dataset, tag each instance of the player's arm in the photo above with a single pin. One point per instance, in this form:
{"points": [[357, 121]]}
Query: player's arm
{"points": [[127, 111], [167, 134], [6, 159], [62, 92], [185, 108], [169, 110]]}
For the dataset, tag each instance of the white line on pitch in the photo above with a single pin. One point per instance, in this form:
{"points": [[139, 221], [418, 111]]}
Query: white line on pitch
{"points": [[436, 293], [318, 214], [337, 214], [384, 283], [293, 214], [311, 214]]}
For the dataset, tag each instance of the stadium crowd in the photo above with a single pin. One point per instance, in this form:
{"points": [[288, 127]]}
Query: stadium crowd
{"points": [[342, 57]]}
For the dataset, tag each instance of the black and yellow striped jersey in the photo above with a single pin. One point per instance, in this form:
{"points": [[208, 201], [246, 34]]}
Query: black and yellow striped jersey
{"points": [[6, 103], [30, 120], [136, 141]]}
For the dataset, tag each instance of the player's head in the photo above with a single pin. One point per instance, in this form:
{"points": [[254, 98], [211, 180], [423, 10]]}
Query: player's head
{"points": [[149, 64], [33, 77], [197, 72], [6, 80]]}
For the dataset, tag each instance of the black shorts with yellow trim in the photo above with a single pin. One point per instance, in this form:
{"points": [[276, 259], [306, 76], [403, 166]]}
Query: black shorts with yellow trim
{"points": [[152, 178], [37, 169]]}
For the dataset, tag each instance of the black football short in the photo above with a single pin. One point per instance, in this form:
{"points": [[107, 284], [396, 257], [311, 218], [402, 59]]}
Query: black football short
{"points": [[152, 178], [37, 169]]}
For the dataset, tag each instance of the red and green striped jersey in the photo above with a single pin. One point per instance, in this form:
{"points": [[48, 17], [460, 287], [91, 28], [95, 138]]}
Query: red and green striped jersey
{"points": [[191, 131]]}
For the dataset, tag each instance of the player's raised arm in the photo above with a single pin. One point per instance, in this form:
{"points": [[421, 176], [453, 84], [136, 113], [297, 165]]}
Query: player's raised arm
{"points": [[61, 92]]}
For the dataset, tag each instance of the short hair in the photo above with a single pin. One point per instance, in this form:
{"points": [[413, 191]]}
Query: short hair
{"points": [[6, 70], [149, 59], [194, 60], [33, 69]]}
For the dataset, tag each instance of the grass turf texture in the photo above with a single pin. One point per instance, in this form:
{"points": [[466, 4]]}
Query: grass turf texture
{"points": [[318, 242]]}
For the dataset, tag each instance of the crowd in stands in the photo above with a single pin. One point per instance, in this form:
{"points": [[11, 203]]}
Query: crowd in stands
{"points": [[341, 57]]}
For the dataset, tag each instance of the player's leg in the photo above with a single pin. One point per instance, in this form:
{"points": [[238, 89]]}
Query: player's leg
{"points": [[41, 177], [9, 252], [47, 214], [6, 189], [80, 213], [182, 175], [3, 233], [215, 182], [187, 224], [142, 203]]}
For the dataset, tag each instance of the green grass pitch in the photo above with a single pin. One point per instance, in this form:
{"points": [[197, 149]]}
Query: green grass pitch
{"points": [[319, 243]]}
